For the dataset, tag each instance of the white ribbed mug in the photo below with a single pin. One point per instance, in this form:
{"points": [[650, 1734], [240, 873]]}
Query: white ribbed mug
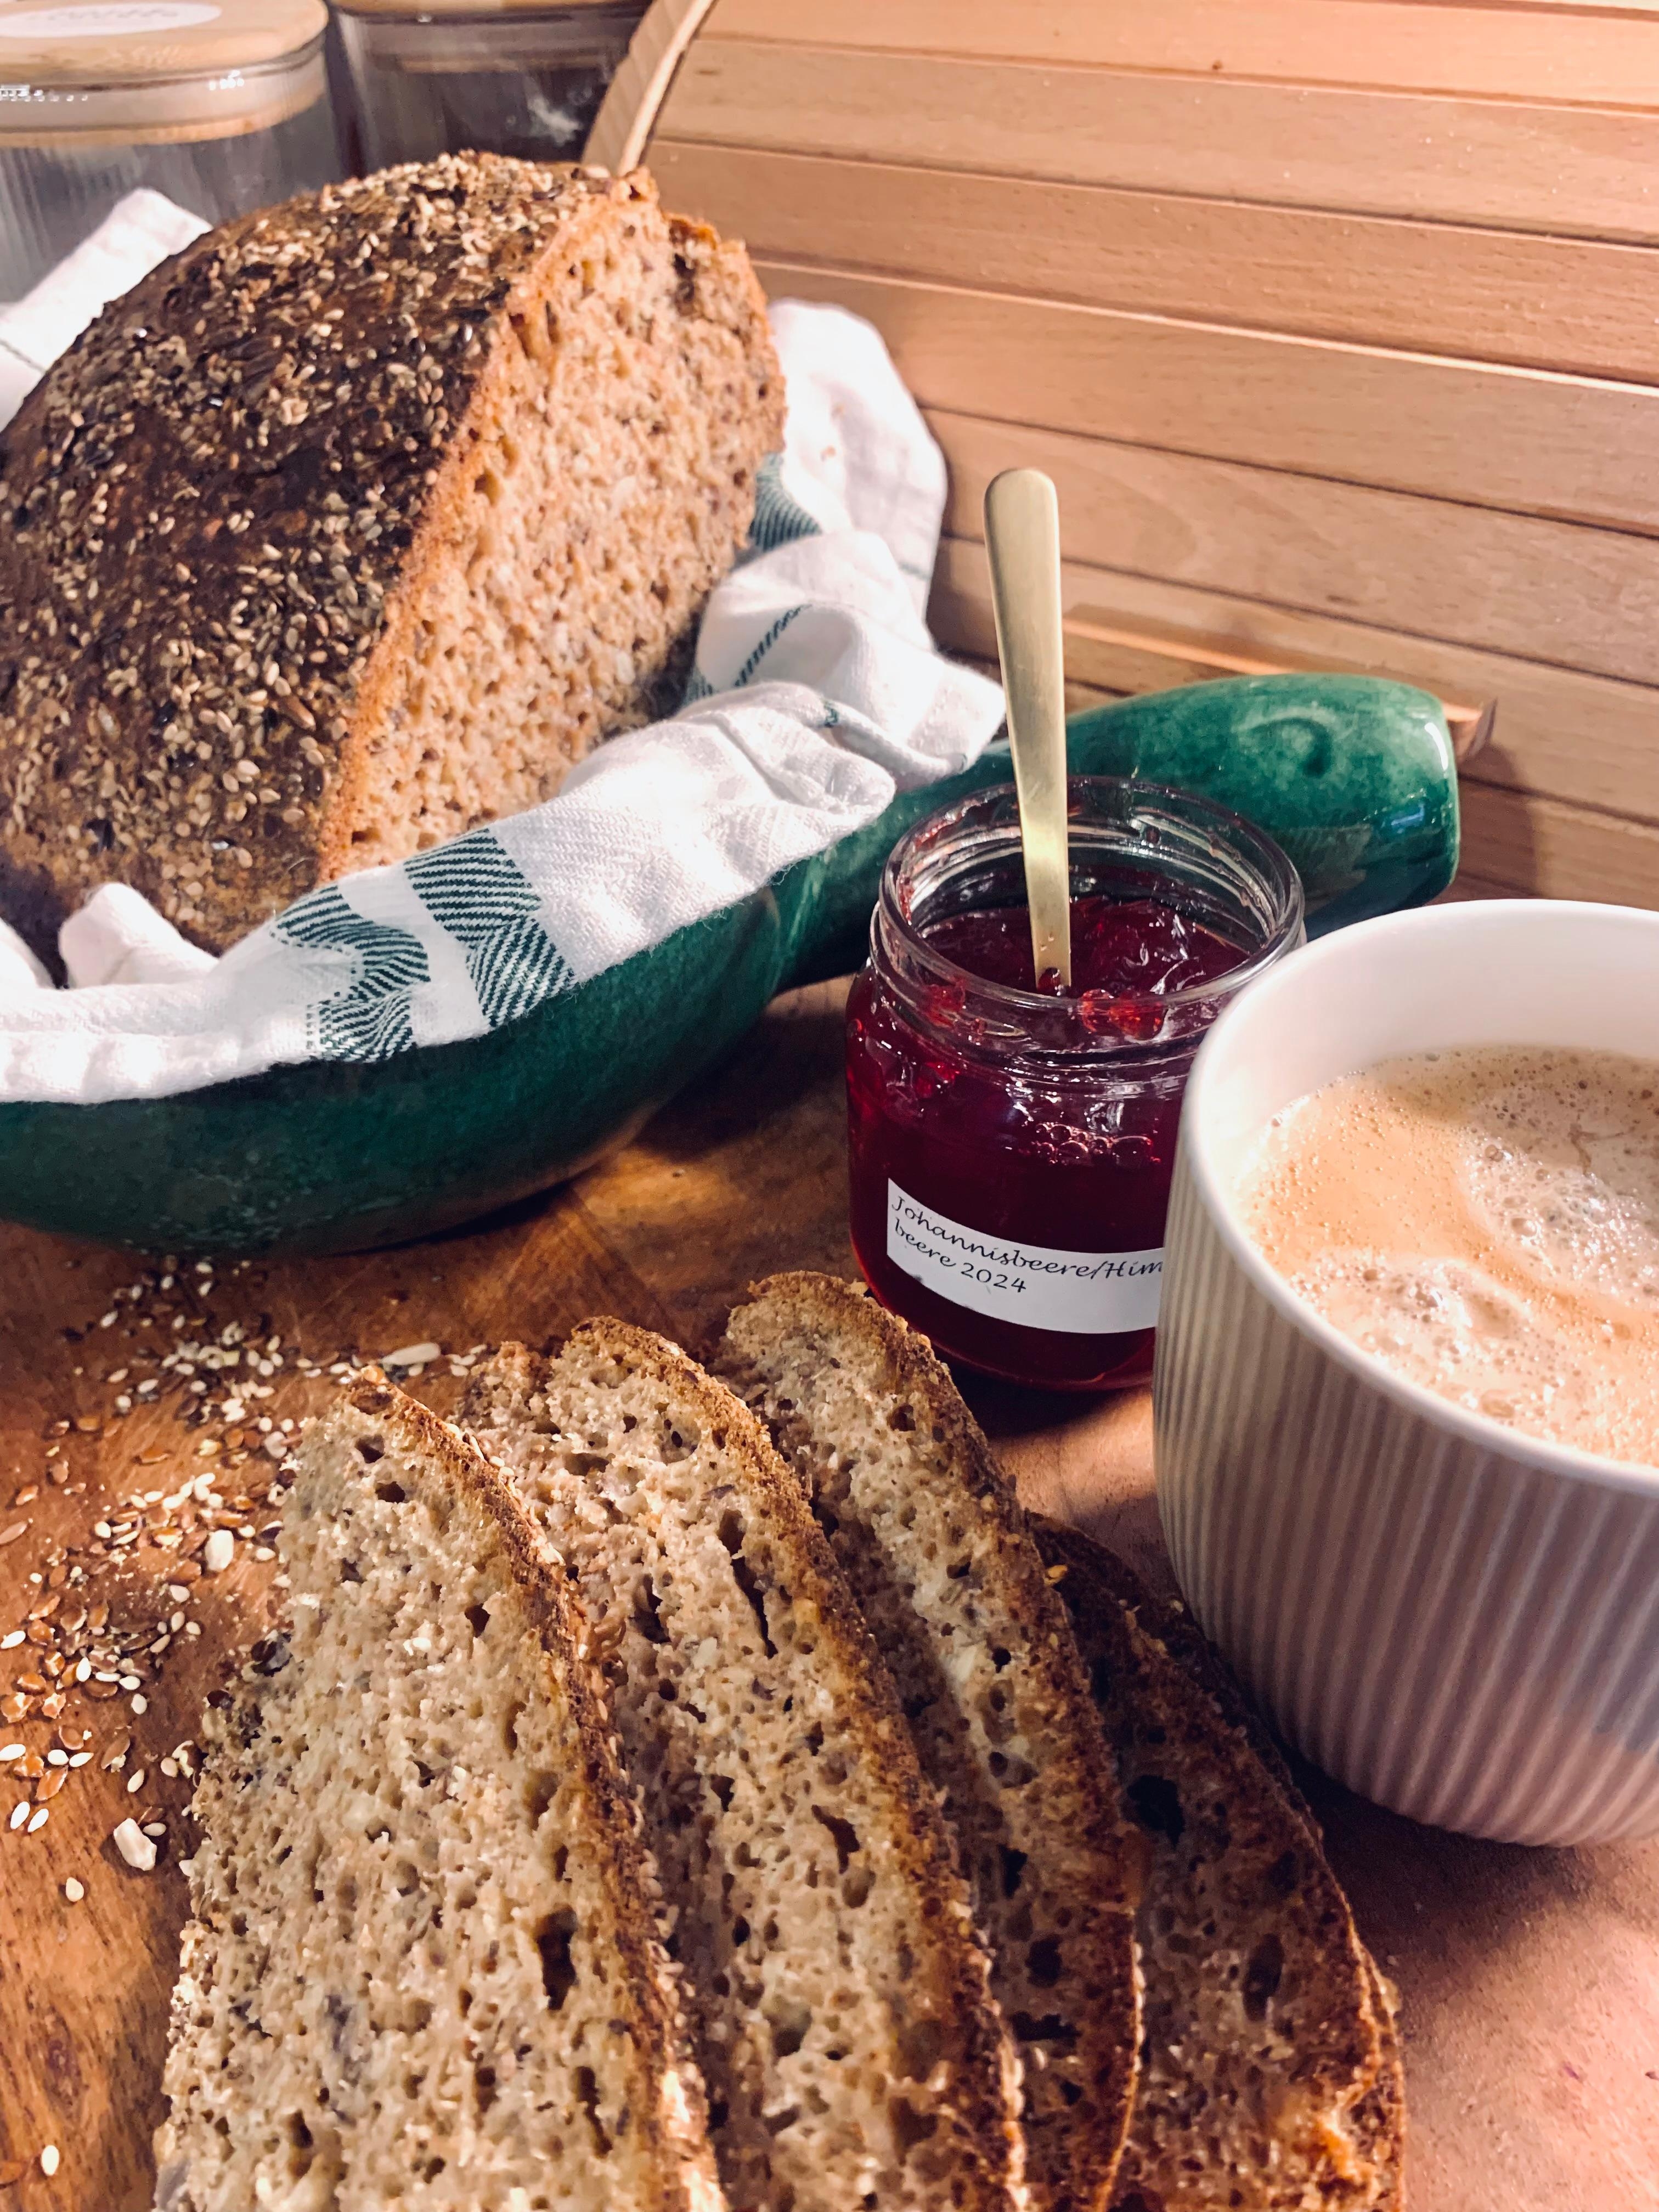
{"points": [[1454, 1619]]}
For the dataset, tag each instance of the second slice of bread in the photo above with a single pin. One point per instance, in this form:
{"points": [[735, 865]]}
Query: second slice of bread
{"points": [[424, 1968], [929, 1532], [853, 2056]]}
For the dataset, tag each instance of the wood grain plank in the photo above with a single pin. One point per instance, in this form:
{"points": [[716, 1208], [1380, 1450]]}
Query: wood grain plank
{"points": [[1511, 584], [1547, 848], [1586, 740], [1516, 53], [1577, 305], [1522, 166], [1518, 439]]}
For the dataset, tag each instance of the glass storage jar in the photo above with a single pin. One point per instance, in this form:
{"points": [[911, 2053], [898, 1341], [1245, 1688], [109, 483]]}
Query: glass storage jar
{"points": [[1011, 1147], [480, 75], [223, 104]]}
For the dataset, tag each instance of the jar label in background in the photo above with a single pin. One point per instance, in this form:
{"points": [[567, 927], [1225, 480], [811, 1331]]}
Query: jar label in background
{"points": [[108, 19], [1038, 1285]]}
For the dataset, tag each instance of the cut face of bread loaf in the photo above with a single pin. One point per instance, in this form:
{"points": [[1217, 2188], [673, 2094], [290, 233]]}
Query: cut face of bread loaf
{"points": [[930, 1535], [854, 2060], [1271, 2079], [356, 523], [423, 1968]]}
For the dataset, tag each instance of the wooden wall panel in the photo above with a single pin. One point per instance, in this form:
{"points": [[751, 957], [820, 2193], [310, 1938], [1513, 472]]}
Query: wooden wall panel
{"points": [[1563, 170], [1570, 447], [1558, 851], [1336, 321], [1492, 295], [1579, 738], [1508, 53], [1509, 583]]}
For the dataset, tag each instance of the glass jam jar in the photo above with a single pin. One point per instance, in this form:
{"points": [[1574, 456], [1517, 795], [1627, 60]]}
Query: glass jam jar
{"points": [[1011, 1147]]}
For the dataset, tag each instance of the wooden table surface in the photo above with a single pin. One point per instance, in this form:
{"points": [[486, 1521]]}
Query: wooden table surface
{"points": [[1530, 1978]]}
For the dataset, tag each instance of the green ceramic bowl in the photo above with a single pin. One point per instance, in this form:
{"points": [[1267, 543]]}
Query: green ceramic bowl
{"points": [[1355, 778]]}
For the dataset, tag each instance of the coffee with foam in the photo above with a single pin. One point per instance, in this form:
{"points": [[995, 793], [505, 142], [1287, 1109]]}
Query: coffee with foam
{"points": [[1487, 1222]]}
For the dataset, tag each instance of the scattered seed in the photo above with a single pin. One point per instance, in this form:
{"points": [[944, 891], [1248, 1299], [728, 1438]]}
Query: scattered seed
{"points": [[38, 1820], [134, 1846], [11, 1639], [139, 1705], [157, 1828], [49, 2160], [79, 1759], [135, 1781], [19, 1812], [9, 1535], [74, 1891], [50, 1784], [12, 1750], [220, 1550]]}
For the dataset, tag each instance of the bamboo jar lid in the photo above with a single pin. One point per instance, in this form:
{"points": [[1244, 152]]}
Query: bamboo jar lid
{"points": [[150, 70], [451, 10], [62, 44]]}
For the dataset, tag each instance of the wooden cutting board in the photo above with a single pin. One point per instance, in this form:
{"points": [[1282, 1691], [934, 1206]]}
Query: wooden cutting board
{"points": [[1530, 1978]]}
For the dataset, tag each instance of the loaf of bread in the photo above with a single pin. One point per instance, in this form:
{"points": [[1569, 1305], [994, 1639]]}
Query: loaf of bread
{"points": [[356, 523], [838, 1992], [931, 1539], [1270, 2078], [423, 1967]]}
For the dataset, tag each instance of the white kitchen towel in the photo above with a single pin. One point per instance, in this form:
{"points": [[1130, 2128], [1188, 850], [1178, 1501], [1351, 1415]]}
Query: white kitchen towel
{"points": [[135, 236], [816, 696]]}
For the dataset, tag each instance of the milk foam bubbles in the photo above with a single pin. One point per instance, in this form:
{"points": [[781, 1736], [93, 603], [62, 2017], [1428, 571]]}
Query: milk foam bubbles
{"points": [[1570, 1178], [1454, 1329], [1487, 1222]]}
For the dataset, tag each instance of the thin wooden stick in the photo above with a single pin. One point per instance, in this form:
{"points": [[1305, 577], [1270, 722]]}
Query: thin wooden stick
{"points": [[622, 129]]}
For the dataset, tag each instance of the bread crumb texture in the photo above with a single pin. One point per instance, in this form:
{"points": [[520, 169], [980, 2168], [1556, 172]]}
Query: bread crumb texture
{"points": [[423, 1969], [839, 1994], [933, 1542], [356, 523]]}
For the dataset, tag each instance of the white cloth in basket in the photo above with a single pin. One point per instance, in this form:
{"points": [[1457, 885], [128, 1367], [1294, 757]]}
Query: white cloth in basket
{"points": [[816, 696]]}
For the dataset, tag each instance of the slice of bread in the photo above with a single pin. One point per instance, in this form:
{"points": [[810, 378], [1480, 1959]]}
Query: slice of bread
{"points": [[843, 2018], [423, 1967], [934, 1544], [1270, 2078]]}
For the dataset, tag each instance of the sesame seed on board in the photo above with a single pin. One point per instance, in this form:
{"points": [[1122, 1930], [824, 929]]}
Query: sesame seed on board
{"points": [[89, 1624]]}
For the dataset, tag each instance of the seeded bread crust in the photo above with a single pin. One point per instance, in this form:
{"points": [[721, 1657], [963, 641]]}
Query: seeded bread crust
{"points": [[841, 1998], [934, 1544], [1271, 2080], [358, 522], [370, 2009]]}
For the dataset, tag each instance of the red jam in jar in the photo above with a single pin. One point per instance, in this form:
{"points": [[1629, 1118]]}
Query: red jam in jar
{"points": [[1012, 1141]]}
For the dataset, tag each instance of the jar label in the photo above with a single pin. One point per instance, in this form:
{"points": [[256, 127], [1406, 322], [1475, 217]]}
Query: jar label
{"points": [[1039, 1286], [112, 19]]}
